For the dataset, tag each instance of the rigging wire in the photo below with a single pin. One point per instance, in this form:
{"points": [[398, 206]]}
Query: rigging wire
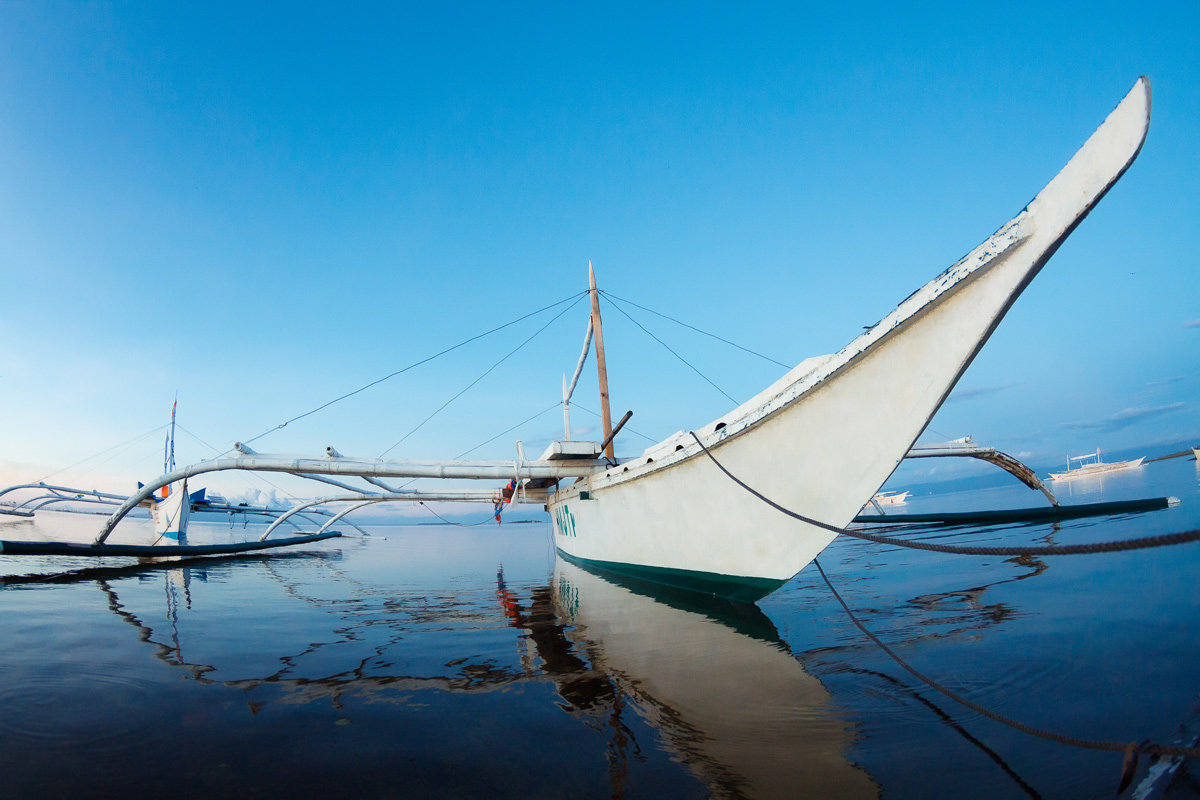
{"points": [[488, 371], [494, 438], [626, 428], [256, 475], [125, 443], [452, 522], [613, 297], [413, 365], [197, 438], [672, 352], [544, 411]]}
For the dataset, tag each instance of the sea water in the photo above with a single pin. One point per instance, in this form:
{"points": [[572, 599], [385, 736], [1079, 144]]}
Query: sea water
{"points": [[437, 661]]}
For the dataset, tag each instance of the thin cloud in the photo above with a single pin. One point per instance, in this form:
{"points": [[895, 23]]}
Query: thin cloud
{"points": [[982, 391], [1173, 380], [1193, 324], [1124, 419]]}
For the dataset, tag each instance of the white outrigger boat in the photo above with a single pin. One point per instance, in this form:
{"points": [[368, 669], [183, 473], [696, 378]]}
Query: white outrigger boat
{"points": [[896, 498], [825, 437], [820, 441], [1091, 465]]}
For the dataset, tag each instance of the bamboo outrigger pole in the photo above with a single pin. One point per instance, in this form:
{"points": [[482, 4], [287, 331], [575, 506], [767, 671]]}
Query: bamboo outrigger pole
{"points": [[602, 371]]}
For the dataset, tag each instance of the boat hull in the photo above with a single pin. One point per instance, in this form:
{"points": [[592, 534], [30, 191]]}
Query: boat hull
{"points": [[823, 456], [825, 441], [171, 515]]}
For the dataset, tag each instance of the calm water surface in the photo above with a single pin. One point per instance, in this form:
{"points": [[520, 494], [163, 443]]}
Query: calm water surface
{"points": [[442, 661]]}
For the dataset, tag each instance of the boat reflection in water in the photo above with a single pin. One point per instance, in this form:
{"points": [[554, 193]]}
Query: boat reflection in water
{"points": [[715, 679], [710, 680]]}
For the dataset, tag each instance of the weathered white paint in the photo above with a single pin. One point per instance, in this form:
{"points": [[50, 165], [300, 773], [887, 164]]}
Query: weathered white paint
{"points": [[824, 438]]}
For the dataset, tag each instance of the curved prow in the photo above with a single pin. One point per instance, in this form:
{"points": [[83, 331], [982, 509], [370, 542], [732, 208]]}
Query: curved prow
{"points": [[826, 438], [1090, 174]]}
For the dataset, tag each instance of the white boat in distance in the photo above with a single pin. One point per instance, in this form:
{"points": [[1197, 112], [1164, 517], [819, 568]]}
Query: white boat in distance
{"points": [[890, 498], [1091, 465], [820, 441]]}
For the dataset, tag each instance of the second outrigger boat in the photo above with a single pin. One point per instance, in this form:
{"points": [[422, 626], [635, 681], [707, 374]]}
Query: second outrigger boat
{"points": [[894, 498], [1091, 465], [820, 441]]}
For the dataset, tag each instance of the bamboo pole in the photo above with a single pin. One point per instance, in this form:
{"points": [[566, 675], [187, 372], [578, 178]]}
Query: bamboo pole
{"points": [[602, 371]]}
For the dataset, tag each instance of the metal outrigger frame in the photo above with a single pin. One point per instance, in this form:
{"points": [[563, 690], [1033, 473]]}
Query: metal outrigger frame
{"points": [[534, 479], [373, 470]]}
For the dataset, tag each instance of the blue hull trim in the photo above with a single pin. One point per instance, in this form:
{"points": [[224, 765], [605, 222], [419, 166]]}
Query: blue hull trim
{"points": [[713, 584]]}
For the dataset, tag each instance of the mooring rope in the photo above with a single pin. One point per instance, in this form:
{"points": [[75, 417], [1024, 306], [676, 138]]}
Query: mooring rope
{"points": [[1142, 543], [958, 727], [1131, 750]]}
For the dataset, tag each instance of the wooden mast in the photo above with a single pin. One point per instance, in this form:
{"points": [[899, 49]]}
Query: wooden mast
{"points": [[602, 371]]}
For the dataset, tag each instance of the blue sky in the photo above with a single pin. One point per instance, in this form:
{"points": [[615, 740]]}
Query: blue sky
{"points": [[262, 208]]}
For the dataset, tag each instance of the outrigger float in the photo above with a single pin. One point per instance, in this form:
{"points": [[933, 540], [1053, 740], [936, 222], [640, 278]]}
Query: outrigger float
{"points": [[821, 440]]}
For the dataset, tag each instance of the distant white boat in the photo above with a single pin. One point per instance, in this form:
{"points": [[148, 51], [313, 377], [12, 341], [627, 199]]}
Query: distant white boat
{"points": [[891, 498], [1091, 465]]}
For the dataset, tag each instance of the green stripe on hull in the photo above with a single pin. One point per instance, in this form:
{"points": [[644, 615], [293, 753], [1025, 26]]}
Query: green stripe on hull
{"points": [[734, 587]]}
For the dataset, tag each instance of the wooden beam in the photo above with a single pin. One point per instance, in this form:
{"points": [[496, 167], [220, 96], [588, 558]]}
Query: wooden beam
{"points": [[601, 369]]}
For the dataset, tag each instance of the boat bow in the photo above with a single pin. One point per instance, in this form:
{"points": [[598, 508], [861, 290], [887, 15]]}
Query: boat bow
{"points": [[824, 438]]}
